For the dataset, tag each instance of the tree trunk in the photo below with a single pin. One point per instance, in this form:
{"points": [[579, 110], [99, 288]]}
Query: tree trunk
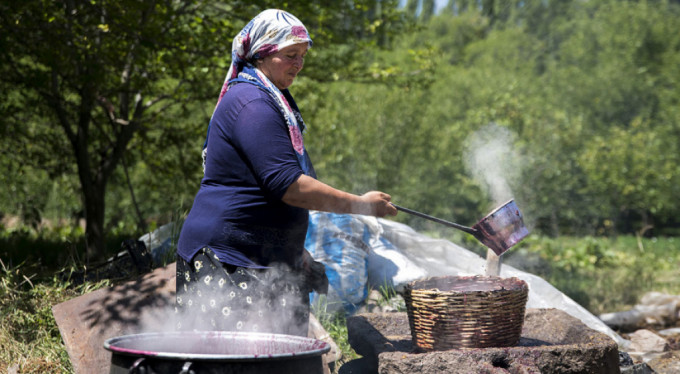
{"points": [[488, 10], [140, 218], [554, 224], [95, 237]]}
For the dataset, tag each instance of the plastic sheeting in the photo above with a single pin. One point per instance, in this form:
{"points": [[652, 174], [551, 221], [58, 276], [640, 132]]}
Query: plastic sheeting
{"points": [[341, 243], [159, 243], [441, 257], [397, 254]]}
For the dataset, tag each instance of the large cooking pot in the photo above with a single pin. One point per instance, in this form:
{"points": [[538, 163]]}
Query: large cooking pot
{"points": [[215, 352], [499, 230]]}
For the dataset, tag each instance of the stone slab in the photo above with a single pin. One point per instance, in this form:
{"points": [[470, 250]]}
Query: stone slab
{"points": [[552, 342], [85, 322]]}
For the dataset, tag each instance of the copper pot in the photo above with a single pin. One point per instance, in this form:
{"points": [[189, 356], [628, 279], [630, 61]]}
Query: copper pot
{"points": [[499, 230]]}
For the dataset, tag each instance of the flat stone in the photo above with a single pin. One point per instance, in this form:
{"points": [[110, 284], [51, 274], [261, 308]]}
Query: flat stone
{"points": [[551, 342], [86, 321]]}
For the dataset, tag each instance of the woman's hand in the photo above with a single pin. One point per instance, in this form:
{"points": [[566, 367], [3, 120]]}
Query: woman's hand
{"points": [[378, 204], [309, 193]]}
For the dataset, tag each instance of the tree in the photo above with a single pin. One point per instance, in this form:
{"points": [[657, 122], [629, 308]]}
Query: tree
{"points": [[83, 79], [589, 89], [100, 72]]}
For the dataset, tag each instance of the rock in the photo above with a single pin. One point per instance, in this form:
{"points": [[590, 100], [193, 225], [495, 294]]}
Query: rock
{"points": [[624, 359], [627, 320], [659, 298], [552, 342], [655, 308], [647, 341], [659, 315], [387, 309], [357, 366], [629, 367], [374, 297], [376, 303], [397, 303], [670, 332], [667, 363], [637, 369], [644, 357], [366, 308]]}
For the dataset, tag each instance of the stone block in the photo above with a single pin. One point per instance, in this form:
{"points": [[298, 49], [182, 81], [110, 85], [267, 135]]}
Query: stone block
{"points": [[552, 342]]}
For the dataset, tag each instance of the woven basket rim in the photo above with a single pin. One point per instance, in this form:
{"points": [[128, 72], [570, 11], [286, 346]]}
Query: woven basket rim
{"points": [[447, 284]]}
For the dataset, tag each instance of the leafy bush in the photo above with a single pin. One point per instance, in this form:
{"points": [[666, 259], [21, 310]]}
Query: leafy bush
{"points": [[587, 253], [602, 274]]}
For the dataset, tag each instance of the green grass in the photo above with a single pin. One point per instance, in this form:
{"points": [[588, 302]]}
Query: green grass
{"points": [[29, 337], [602, 274], [335, 323]]}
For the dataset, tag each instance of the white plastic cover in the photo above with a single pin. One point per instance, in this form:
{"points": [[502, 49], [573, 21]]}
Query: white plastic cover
{"points": [[439, 257]]}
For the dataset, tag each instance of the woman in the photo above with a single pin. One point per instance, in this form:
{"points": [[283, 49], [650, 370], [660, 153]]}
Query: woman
{"points": [[241, 259]]}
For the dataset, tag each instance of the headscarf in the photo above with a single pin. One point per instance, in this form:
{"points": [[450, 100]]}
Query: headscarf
{"points": [[267, 33]]}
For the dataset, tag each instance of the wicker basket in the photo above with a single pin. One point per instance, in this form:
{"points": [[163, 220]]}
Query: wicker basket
{"points": [[465, 312]]}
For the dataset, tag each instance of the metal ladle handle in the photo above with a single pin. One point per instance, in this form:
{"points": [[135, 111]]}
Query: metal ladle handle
{"points": [[468, 230]]}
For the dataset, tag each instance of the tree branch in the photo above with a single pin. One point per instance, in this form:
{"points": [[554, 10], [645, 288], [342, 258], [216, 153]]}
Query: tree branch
{"points": [[54, 99]]}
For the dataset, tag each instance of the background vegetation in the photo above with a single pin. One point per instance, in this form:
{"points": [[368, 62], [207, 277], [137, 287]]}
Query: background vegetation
{"points": [[574, 103], [570, 107]]}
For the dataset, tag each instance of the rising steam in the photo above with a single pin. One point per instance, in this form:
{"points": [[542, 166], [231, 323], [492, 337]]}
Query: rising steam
{"points": [[491, 159]]}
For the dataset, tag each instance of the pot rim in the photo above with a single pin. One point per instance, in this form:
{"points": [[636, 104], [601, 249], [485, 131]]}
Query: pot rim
{"points": [[317, 347]]}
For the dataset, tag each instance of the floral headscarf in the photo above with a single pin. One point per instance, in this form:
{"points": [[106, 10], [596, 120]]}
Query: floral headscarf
{"points": [[267, 33]]}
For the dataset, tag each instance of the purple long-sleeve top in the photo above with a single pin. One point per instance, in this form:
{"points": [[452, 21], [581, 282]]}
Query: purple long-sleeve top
{"points": [[238, 211]]}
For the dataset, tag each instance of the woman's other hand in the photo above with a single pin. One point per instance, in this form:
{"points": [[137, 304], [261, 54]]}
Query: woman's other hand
{"points": [[315, 273]]}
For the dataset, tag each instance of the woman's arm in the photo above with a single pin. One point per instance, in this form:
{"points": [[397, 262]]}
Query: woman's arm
{"points": [[308, 193]]}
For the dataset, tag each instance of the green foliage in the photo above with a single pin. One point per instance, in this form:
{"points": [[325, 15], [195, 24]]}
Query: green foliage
{"points": [[115, 95], [602, 274], [584, 254], [49, 247], [588, 105], [52, 247], [585, 94], [605, 76]]}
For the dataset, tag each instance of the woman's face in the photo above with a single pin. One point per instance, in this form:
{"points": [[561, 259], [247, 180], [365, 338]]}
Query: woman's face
{"points": [[283, 66]]}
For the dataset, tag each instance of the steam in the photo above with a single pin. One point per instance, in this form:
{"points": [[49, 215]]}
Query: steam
{"points": [[491, 159], [260, 315]]}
